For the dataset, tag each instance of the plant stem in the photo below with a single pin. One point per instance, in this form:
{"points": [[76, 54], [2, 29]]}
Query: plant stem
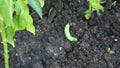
{"points": [[5, 46]]}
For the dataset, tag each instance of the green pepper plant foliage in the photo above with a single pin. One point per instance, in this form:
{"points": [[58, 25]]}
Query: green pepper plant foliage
{"points": [[37, 6], [94, 5], [15, 16]]}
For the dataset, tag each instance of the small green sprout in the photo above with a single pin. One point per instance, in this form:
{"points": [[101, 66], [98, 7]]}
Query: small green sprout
{"points": [[67, 33], [114, 3], [94, 5]]}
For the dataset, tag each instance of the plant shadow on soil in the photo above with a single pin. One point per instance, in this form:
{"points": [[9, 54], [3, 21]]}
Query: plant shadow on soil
{"points": [[50, 49]]}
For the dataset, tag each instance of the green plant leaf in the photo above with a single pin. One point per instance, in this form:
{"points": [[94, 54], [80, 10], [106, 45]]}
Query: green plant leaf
{"points": [[42, 2], [30, 27], [21, 7], [1, 21], [94, 5], [88, 14], [35, 4], [11, 22], [6, 11], [21, 19], [10, 32], [19, 22]]}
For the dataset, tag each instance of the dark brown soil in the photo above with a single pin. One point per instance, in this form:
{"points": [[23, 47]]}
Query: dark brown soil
{"points": [[49, 48]]}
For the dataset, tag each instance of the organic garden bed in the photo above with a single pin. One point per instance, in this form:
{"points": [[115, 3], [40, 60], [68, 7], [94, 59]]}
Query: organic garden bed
{"points": [[98, 44]]}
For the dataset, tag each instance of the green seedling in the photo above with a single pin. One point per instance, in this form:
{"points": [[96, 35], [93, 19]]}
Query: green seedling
{"points": [[10, 23], [94, 5], [67, 33], [114, 3]]}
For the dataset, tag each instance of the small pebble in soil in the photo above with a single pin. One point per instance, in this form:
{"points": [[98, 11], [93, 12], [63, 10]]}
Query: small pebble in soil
{"points": [[60, 48], [55, 54], [79, 1], [16, 54], [30, 58], [110, 51], [54, 51], [113, 36], [115, 40]]}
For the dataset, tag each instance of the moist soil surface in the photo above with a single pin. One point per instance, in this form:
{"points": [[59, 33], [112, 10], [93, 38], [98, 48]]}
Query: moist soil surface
{"points": [[98, 44]]}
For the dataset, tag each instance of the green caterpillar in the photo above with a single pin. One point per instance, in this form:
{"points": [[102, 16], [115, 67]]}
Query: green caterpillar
{"points": [[68, 35]]}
